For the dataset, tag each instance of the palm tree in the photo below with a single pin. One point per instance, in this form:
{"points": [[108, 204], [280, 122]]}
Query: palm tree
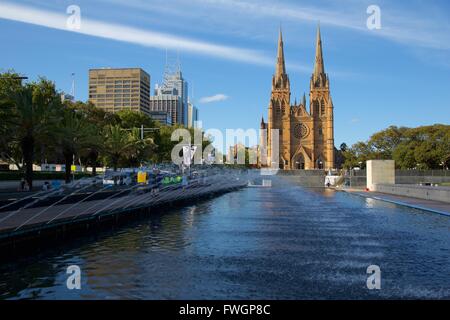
{"points": [[118, 143], [99, 119], [9, 147], [142, 148], [33, 108], [74, 135]]}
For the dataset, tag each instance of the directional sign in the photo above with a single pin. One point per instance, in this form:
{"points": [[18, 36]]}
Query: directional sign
{"points": [[188, 154]]}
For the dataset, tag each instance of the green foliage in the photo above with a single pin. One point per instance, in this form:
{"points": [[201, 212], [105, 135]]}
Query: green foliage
{"points": [[31, 110], [131, 119], [73, 136], [122, 146], [36, 127], [426, 147]]}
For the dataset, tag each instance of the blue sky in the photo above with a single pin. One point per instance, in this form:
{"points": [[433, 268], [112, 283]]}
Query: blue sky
{"points": [[398, 75]]}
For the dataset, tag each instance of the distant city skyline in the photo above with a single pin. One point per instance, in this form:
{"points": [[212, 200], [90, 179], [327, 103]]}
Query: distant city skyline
{"points": [[397, 75]]}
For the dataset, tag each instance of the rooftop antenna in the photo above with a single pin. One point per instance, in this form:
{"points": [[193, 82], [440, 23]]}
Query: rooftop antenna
{"points": [[72, 91], [166, 56], [166, 70], [171, 68], [178, 61]]}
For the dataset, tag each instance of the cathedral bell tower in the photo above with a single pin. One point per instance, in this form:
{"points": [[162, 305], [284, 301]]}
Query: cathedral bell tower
{"points": [[279, 110], [306, 138], [321, 110]]}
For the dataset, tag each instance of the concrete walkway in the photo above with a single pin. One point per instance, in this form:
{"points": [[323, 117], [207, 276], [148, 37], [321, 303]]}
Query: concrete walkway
{"points": [[427, 205], [25, 219], [12, 185]]}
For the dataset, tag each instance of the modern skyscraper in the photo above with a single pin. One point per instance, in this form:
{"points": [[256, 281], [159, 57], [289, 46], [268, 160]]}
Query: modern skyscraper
{"points": [[118, 89], [192, 115], [177, 82], [162, 117], [306, 138], [173, 85], [169, 103]]}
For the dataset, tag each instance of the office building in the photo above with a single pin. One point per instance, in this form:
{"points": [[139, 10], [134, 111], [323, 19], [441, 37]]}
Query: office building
{"points": [[174, 86], [114, 90], [162, 117], [192, 115], [168, 103]]}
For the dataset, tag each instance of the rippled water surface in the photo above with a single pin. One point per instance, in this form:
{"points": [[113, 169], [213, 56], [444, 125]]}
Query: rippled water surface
{"points": [[286, 242]]}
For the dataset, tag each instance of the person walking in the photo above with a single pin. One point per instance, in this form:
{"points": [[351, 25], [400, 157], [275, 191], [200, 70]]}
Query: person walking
{"points": [[159, 178], [21, 185]]}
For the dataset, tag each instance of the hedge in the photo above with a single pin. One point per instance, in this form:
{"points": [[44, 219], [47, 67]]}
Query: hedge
{"points": [[37, 175]]}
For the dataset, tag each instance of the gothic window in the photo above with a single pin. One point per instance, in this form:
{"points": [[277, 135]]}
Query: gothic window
{"points": [[301, 131], [322, 108], [320, 131], [276, 106], [316, 107]]}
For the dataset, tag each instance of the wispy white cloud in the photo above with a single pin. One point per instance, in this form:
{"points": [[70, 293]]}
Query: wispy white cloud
{"points": [[409, 25], [144, 37], [399, 24], [215, 98], [124, 33]]}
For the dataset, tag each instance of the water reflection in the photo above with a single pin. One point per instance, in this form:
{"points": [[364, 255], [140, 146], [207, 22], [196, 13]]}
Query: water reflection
{"points": [[284, 242]]}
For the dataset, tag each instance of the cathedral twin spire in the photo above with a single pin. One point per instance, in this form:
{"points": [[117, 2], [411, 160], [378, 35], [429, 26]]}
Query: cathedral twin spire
{"points": [[280, 69], [306, 136], [319, 68], [319, 76], [280, 79]]}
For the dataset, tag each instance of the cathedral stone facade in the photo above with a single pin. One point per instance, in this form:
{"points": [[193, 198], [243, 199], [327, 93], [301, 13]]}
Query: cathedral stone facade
{"points": [[306, 137]]}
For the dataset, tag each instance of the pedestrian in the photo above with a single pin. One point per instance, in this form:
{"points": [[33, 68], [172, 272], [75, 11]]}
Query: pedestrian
{"points": [[152, 182], [184, 181], [21, 185], [158, 179]]}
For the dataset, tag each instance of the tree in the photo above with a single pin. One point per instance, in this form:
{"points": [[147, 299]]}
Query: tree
{"points": [[141, 149], [383, 143], [74, 135], [343, 147], [34, 108], [426, 147], [131, 119], [10, 150], [99, 119], [118, 143], [164, 143]]}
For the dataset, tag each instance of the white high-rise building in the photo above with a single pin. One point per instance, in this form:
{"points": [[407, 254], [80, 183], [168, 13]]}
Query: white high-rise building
{"points": [[192, 115], [177, 83], [174, 85]]}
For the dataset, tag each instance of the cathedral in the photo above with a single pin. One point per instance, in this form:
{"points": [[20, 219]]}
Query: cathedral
{"points": [[306, 137]]}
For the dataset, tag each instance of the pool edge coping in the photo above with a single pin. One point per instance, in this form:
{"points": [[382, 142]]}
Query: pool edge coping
{"points": [[405, 204]]}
